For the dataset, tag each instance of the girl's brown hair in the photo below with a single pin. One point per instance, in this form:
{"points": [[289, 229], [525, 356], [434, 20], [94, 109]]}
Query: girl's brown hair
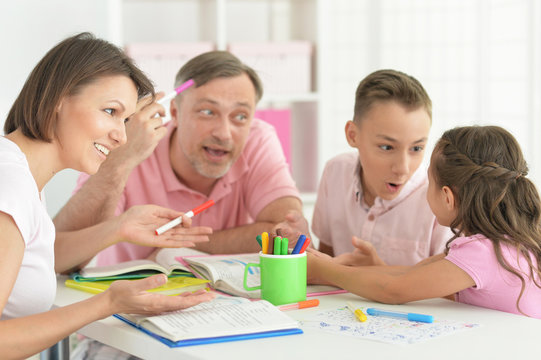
{"points": [[63, 71], [485, 169]]}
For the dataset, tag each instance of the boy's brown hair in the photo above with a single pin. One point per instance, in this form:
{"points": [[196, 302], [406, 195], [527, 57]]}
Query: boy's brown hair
{"points": [[63, 71], [390, 85]]}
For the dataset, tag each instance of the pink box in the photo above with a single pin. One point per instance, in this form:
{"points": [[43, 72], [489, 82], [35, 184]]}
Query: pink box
{"points": [[284, 67], [281, 120], [162, 61]]}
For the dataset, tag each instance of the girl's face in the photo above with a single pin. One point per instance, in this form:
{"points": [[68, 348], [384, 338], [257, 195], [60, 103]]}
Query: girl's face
{"points": [[91, 123], [391, 141], [440, 199]]}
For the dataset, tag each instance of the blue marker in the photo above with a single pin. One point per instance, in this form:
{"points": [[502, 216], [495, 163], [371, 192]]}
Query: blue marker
{"points": [[401, 315], [299, 244]]}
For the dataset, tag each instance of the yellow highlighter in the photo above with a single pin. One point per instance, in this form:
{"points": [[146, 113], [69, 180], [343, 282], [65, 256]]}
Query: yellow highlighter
{"points": [[357, 312], [265, 243]]}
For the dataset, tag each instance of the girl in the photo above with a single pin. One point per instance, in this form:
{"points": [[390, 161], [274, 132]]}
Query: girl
{"points": [[70, 113], [477, 186]]}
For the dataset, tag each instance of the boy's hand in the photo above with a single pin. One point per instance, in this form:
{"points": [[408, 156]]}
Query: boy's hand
{"points": [[364, 254]]}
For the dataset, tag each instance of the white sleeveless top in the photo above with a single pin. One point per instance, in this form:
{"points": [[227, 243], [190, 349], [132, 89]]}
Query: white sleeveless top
{"points": [[35, 288]]}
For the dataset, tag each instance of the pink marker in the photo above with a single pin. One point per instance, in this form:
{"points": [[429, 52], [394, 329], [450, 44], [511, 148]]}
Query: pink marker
{"points": [[171, 224], [177, 91]]}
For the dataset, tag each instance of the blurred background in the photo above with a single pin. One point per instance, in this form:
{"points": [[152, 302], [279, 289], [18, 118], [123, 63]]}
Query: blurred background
{"points": [[479, 60]]}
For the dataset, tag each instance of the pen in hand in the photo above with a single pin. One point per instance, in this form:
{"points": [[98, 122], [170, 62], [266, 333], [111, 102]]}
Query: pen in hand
{"points": [[171, 224]]}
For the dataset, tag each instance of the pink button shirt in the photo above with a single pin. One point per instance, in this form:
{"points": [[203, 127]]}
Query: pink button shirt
{"points": [[258, 177], [495, 287], [403, 230]]}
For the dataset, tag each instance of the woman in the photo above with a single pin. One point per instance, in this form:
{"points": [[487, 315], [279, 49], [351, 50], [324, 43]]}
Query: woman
{"points": [[69, 114]]}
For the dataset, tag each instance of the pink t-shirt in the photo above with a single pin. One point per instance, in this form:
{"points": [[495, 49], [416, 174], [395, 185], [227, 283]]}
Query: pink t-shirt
{"points": [[258, 177], [495, 287], [403, 230]]}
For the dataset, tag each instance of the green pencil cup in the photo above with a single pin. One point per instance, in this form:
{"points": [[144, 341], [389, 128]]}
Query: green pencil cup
{"points": [[283, 278]]}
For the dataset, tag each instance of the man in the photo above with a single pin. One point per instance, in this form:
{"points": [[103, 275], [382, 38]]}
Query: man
{"points": [[212, 149]]}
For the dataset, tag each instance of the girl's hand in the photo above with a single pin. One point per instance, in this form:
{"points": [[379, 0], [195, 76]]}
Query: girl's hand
{"points": [[138, 225], [130, 296], [316, 266]]}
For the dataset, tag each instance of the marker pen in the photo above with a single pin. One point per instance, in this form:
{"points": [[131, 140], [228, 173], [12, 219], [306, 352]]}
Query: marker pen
{"points": [[171, 224], [175, 92]]}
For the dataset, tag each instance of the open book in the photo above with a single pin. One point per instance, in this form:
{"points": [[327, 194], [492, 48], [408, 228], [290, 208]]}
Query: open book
{"points": [[226, 274], [222, 319], [165, 262]]}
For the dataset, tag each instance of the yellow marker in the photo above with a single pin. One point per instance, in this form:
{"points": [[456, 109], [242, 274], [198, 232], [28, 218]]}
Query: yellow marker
{"points": [[357, 312], [265, 243]]}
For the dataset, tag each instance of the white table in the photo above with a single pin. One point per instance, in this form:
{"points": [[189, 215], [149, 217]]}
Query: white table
{"points": [[501, 336]]}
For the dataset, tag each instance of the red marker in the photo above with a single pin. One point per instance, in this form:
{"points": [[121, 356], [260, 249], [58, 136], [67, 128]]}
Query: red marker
{"points": [[171, 224], [305, 245]]}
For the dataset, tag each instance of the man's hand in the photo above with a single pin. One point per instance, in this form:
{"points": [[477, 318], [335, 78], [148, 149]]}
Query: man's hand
{"points": [[138, 225], [293, 226]]}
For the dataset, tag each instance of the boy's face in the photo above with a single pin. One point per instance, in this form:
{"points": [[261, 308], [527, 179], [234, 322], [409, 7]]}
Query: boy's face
{"points": [[391, 141]]}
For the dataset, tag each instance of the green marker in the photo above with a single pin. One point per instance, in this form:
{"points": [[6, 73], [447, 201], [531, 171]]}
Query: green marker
{"points": [[277, 245], [285, 244]]}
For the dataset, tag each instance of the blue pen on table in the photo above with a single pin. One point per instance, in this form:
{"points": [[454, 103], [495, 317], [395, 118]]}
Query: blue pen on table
{"points": [[402, 315], [299, 244]]}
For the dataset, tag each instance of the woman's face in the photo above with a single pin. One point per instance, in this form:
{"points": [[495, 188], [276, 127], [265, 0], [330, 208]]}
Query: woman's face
{"points": [[91, 123]]}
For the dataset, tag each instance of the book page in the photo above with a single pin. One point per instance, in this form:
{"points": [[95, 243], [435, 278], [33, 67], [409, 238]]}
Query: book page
{"points": [[227, 272], [166, 257], [219, 319], [122, 268]]}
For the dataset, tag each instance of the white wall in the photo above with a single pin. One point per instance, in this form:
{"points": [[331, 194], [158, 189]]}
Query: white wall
{"points": [[478, 59], [28, 29]]}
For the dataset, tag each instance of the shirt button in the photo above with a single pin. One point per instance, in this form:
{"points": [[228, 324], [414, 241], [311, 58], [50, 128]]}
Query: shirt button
{"points": [[370, 217]]}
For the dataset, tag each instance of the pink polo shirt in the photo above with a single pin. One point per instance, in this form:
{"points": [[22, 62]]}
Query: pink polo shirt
{"points": [[495, 287], [403, 230], [258, 177]]}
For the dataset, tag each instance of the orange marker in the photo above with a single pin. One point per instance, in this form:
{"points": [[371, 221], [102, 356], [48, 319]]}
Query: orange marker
{"points": [[305, 245], [300, 305]]}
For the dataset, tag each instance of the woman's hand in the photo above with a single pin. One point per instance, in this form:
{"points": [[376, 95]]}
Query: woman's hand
{"points": [[130, 296], [138, 225]]}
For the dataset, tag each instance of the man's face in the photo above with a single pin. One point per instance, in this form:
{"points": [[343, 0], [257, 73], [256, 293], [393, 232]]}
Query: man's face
{"points": [[213, 123]]}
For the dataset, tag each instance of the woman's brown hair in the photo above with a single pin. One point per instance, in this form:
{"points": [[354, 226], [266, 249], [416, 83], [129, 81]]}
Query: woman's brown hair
{"points": [[485, 169], [63, 71]]}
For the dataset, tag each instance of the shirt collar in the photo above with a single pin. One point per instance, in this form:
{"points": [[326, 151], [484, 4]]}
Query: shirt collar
{"points": [[417, 179]]}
